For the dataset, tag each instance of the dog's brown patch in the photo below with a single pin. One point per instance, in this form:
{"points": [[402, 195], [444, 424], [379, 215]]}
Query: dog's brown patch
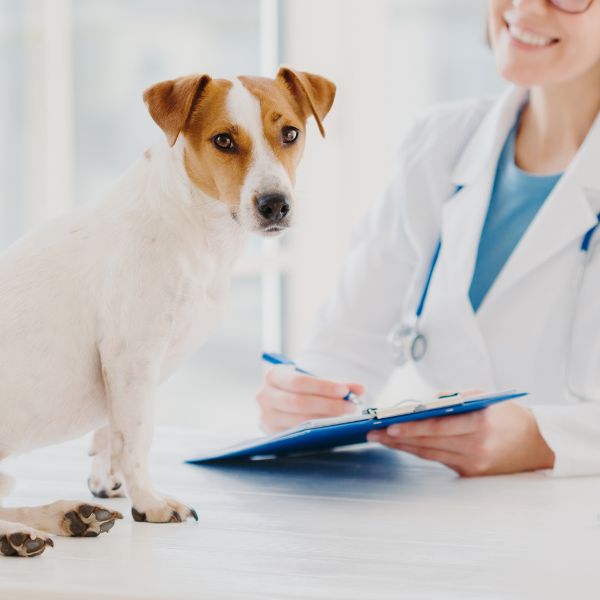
{"points": [[218, 174], [170, 102], [313, 94]]}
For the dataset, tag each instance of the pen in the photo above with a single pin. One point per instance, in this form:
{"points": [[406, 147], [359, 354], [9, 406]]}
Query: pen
{"points": [[279, 359]]}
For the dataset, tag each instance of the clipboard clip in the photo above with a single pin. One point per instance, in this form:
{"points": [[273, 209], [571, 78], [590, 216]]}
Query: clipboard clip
{"points": [[409, 406], [404, 407]]}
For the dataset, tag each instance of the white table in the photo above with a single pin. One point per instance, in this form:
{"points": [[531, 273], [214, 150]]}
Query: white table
{"points": [[371, 524]]}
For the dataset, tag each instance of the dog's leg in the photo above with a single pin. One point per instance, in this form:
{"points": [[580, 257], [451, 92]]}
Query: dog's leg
{"points": [[103, 481], [64, 517], [131, 417], [17, 539]]}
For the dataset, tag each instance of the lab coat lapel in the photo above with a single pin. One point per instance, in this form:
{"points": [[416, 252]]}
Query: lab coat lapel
{"points": [[565, 216], [464, 214], [467, 358], [463, 354]]}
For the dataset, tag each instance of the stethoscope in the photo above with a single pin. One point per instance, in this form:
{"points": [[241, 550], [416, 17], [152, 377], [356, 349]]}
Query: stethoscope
{"points": [[408, 342]]}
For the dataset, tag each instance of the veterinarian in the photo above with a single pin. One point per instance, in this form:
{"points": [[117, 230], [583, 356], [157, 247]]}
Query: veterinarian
{"points": [[481, 263]]}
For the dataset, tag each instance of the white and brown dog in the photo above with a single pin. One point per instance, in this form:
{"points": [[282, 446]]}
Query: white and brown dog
{"points": [[101, 305]]}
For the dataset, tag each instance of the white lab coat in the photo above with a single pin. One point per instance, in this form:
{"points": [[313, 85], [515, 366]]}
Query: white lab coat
{"points": [[538, 328]]}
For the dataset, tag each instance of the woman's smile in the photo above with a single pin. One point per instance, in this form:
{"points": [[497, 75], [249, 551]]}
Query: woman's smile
{"points": [[522, 36]]}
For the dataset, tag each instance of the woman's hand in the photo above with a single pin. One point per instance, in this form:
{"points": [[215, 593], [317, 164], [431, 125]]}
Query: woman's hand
{"points": [[287, 398], [503, 438]]}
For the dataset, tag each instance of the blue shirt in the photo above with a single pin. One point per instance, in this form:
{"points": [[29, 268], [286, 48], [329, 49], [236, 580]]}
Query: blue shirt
{"points": [[516, 198]]}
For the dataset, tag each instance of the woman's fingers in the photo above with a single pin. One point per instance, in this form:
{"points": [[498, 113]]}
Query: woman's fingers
{"points": [[458, 444], [381, 436], [471, 422], [271, 398], [451, 459], [287, 398], [275, 420], [288, 379]]}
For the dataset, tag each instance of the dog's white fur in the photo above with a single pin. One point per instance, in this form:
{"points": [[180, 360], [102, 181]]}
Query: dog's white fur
{"points": [[99, 306]]}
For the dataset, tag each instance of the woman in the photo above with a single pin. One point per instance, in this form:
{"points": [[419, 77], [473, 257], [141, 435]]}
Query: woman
{"points": [[511, 192]]}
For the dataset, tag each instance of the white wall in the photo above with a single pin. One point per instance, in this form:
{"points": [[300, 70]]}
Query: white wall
{"points": [[340, 175]]}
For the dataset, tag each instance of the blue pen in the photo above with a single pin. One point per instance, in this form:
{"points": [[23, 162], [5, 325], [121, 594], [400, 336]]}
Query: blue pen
{"points": [[279, 359]]}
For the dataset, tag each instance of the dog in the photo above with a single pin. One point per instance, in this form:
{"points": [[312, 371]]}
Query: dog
{"points": [[98, 307]]}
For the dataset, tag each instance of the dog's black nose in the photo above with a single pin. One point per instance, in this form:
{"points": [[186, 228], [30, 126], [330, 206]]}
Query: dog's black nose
{"points": [[273, 207]]}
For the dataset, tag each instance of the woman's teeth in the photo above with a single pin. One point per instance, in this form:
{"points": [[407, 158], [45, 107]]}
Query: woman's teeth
{"points": [[525, 37]]}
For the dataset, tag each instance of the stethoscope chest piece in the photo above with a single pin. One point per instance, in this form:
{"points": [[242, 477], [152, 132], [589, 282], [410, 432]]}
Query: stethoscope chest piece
{"points": [[407, 342], [418, 346]]}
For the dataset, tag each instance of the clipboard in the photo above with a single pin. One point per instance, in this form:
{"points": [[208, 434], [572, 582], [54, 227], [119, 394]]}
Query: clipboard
{"points": [[324, 434]]}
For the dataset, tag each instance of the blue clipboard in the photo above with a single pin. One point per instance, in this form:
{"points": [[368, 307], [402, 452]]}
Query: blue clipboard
{"points": [[323, 434]]}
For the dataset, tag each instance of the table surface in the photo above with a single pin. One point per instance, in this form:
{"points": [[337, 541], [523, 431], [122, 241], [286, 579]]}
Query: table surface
{"points": [[362, 523]]}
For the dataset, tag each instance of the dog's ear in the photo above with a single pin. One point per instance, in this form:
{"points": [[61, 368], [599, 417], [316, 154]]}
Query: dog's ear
{"points": [[170, 102], [314, 94]]}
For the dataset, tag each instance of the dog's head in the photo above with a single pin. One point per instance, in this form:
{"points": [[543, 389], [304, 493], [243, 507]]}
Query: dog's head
{"points": [[243, 138]]}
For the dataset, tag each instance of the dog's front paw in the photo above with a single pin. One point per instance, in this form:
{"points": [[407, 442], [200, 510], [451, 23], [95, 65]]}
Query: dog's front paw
{"points": [[163, 510], [105, 487], [19, 540], [87, 520]]}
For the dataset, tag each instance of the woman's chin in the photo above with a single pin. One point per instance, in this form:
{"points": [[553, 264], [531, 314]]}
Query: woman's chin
{"points": [[523, 75]]}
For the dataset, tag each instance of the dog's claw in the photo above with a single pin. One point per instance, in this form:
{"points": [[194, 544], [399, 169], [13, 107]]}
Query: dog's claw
{"points": [[96, 493], [140, 517], [103, 492], [174, 517]]}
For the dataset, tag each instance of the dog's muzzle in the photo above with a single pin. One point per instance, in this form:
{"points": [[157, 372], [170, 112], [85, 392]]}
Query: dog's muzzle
{"points": [[272, 210]]}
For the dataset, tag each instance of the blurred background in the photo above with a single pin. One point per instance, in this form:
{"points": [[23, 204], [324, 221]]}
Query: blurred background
{"points": [[72, 120]]}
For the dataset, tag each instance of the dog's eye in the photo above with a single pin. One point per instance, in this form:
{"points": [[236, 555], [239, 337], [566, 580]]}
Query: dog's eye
{"points": [[289, 135], [223, 141]]}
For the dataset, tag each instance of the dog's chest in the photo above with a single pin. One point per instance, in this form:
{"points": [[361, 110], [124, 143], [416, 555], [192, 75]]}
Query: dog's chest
{"points": [[197, 313], [198, 308]]}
